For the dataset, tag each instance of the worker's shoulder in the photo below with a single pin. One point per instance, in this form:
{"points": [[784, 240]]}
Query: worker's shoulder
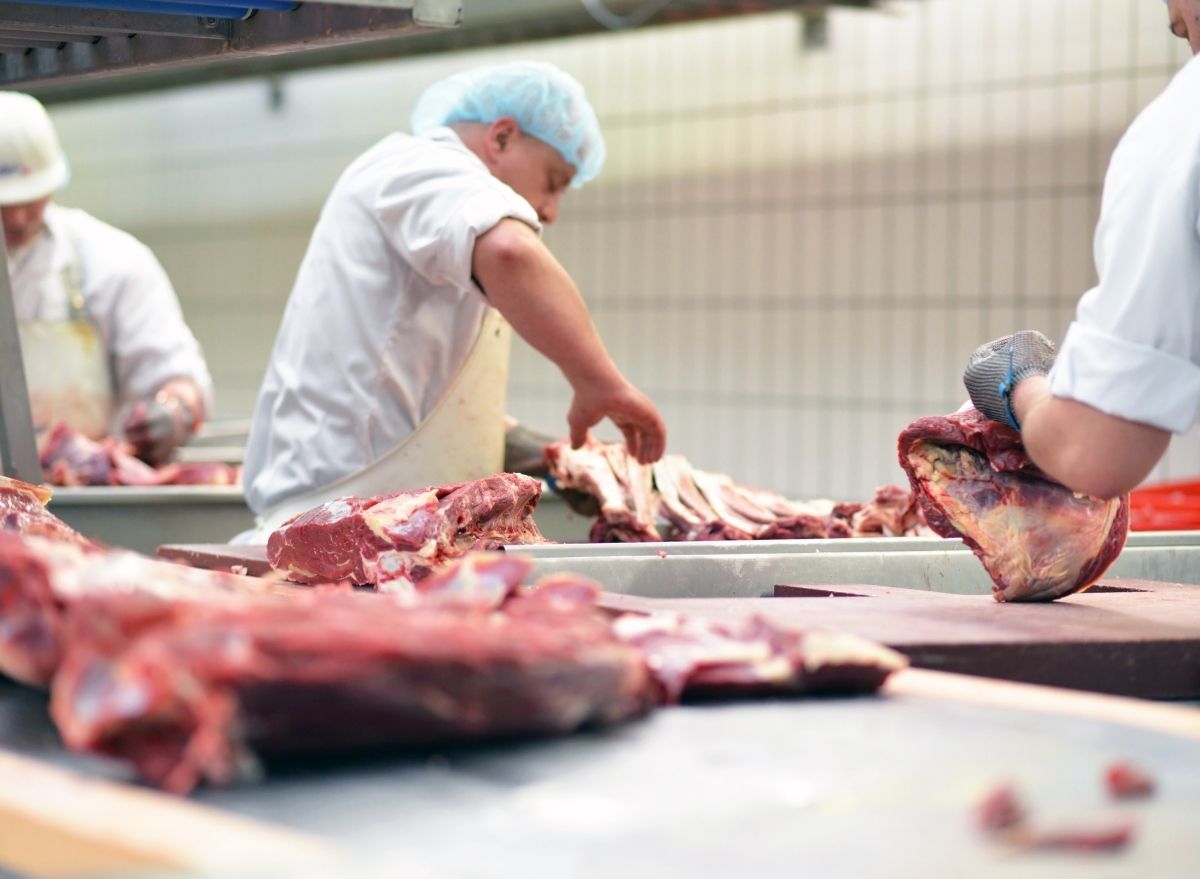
{"points": [[403, 156], [1175, 113], [1164, 139], [92, 236]]}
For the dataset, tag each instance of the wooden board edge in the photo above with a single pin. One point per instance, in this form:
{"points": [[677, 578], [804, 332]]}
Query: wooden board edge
{"points": [[57, 823], [1174, 720]]}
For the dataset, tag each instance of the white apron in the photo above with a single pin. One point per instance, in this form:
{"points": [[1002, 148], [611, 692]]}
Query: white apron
{"points": [[66, 364], [462, 438]]}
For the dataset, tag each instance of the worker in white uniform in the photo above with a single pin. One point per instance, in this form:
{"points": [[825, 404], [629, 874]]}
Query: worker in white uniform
{"points": [[103, 341], [1099, 416], [390, 366]]}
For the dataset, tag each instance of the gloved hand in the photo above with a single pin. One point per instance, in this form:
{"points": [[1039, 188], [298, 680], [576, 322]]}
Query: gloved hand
{"points": [[999, 366], [156, 427]]}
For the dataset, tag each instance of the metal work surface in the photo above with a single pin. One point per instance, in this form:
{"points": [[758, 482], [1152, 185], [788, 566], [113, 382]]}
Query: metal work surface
{"points": [[145, 518], [748, 569], [834, 787], [753, 568], [18, 450]]}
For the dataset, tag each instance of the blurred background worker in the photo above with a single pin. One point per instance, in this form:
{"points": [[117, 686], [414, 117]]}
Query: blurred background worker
{"points": [[390, 367], [1099, 417], [102, 336]]}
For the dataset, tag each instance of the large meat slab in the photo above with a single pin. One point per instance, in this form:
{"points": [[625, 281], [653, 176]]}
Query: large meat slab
{"points": [[23, 511], [190, 692], [672, 500], [42, 580], [1037, 539], [395, 540]]}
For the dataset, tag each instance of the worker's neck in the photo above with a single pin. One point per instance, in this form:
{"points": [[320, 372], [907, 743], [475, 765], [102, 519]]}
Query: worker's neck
{"points": [[474, 137]]}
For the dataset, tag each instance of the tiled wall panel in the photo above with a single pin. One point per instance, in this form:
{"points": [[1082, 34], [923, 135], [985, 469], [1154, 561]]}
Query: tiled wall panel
{"points": [[792, 249]]}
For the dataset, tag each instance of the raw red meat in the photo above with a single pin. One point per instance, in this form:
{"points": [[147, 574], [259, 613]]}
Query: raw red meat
{"points": [[188, 692], [71, 459], [1000, 809], [1002, 815], [23, 511], [703, 658], [1037, 539], [42, 579], [672, 500], [1126, 781], [395, 540]]}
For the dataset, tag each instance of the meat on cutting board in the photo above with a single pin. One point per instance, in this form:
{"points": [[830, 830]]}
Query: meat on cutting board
{"points": [[700, 658], [672, 500], [1037, 539], [395, 540]]}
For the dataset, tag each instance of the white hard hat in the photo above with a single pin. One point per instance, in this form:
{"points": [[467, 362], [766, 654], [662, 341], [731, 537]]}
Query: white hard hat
{"points": [[32, 164]]}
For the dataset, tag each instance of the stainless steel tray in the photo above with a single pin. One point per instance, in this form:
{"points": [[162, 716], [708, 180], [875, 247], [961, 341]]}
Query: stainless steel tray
{"points": [[752, 568]]}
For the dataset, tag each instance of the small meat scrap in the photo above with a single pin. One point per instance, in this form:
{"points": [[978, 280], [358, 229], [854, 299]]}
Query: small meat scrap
{"points": [[1126, 781], [394, 541], [1037, 539], [1003, 816], [1000, 809], [696, 658]]}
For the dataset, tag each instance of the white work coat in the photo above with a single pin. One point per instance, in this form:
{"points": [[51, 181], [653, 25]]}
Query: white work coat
{"points": [[1133, 350], [382, 314], [126, 294]]}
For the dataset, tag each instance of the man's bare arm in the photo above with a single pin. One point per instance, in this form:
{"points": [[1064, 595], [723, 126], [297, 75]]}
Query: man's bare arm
{"points": [[1082, 447], [536, 295]]}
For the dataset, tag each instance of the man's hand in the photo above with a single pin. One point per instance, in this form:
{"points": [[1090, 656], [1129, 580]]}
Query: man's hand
{"points": [[999, 366], [629, 409], [158, 426]]}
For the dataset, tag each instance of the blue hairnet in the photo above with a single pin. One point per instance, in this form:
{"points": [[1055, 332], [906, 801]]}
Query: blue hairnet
{"points": [[546, 102]]}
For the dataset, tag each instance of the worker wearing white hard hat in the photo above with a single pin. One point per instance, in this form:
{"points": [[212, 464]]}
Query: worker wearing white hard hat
{"points": [[104, 343], [1098, 414], [390, 367]]}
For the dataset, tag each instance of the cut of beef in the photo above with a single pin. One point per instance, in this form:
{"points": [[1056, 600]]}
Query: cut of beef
{"points": [[71, 459], [23, 511], [673, 500], [1037, 539], [395, 540], [41, 579], [698, 658], [188, 692]]}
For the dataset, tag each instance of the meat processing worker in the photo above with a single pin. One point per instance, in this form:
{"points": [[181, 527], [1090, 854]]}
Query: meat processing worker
{"points": [[102, 337], [1099, 416], [390, 367]]}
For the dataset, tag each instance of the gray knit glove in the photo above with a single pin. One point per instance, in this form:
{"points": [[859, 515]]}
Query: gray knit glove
{"points": [[999, 366]]}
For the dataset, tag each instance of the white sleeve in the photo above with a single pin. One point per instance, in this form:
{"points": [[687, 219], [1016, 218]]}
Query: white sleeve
{"points": [[1132, 349], [147, 338], [434, 219]]}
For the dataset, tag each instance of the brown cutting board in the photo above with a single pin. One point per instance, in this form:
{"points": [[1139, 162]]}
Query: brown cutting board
{"points": [[218, 556], [1127, 637]]}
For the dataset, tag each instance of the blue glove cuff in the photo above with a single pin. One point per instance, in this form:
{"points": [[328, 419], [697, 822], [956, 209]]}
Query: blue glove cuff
{"points": [[1005, 389]]}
